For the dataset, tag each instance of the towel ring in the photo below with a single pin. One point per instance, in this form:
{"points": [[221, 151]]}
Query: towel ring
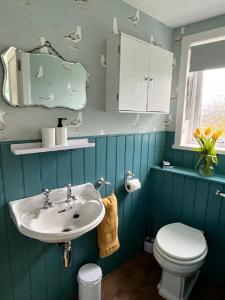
{"points": [[102, 182]]}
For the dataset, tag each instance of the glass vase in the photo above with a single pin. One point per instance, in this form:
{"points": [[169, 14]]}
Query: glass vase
{"points": [[206, 170]]}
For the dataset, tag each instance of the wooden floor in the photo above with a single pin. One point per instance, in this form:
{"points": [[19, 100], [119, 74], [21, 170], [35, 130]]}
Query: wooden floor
{"points": [[137, 279]]}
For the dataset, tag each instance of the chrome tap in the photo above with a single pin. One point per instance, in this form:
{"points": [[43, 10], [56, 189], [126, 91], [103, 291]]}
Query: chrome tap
{"points": [[69, 196], [47, 202]]}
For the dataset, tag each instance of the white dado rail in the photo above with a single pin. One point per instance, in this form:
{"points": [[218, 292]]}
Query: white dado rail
{"points": [[30, 148]]}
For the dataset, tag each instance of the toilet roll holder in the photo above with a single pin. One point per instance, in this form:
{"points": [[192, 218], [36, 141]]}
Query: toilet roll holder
{"points": [[102, 182], [129, 174], [128, 182], [129, 179]]}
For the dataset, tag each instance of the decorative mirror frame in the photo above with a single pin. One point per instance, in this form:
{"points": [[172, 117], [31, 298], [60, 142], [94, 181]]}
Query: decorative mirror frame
{"points": [[6, 74]]}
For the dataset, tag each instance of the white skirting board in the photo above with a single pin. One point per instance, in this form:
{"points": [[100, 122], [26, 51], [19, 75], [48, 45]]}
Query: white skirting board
{"points": [[30, 148]]}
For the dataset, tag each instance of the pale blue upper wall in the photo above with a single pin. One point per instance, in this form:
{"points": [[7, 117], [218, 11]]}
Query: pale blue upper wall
{"points": [[22, 25], [189, 29]]}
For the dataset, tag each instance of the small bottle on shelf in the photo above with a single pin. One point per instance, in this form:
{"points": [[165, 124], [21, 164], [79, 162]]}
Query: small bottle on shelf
{"points": [[61, 133]]}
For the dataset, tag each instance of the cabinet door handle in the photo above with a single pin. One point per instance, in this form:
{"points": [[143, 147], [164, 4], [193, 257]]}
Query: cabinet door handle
{"points": [[148, 78]]}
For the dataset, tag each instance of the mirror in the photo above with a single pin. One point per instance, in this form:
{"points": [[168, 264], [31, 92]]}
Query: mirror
{"points": [[42, 79]]}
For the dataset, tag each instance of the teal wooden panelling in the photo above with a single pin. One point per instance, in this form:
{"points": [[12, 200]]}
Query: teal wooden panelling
{"points": [[5, 258], [31, 168], [18, 244], [127, 205], [111, 146], [182, 195], [145, 184], [136, 199], [122, 197], [32, 270], [151, 150], [164, 204], [191, 201]]}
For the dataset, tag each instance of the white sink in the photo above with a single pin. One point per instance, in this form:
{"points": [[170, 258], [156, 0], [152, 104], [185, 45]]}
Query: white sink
{"points": [[63, 222]]}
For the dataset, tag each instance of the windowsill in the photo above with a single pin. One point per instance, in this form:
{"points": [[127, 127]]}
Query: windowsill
{"points": [[218, 178], [190, 147]]}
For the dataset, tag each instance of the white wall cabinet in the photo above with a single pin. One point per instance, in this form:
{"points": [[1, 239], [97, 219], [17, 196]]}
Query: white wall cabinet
{"points": [[138, 76]]}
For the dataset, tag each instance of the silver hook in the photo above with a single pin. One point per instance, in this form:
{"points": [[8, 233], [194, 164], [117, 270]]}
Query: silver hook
{"points": [[101, 182]]}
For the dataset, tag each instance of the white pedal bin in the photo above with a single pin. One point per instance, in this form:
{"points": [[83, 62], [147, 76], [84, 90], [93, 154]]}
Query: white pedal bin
{"points": [[89, 282]]}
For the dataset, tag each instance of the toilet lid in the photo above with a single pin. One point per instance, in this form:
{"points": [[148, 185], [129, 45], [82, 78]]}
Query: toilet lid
{"points": [[181, 242]]}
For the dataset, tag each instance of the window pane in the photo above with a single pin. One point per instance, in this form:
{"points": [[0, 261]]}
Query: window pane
{"points": [[212, 110]]}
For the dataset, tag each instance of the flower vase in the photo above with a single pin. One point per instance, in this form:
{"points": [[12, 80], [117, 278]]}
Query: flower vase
{"points": [[206, 170]]}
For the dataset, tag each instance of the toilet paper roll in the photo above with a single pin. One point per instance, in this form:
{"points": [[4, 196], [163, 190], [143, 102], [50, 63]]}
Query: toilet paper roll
{"points": [[132, 185], [48, 137]]}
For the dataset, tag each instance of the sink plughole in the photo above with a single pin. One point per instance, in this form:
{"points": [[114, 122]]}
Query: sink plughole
{"points": [[64, 221]]}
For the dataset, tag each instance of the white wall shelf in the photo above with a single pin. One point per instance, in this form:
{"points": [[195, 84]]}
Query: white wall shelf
{"points": [[31, 148]]}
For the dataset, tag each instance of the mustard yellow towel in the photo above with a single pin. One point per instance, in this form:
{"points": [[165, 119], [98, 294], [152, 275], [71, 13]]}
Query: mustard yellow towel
{"points": [[108, 241]]}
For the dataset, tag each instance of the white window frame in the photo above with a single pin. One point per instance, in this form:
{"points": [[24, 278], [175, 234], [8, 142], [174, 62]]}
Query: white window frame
{"points": [[182, 125]]}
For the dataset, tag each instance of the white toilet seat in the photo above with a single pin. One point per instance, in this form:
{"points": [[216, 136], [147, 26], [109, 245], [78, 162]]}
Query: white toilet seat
{"points": [[179, 261], [180, 250], [181, 242]]}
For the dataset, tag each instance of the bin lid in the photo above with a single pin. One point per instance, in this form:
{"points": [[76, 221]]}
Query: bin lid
{"points": [[90, 274]]}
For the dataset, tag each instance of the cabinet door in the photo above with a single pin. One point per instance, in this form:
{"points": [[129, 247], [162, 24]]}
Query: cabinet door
{"points": [[134, 71], [160, 79]]}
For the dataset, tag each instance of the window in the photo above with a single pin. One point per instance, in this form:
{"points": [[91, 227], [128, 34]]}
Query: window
{"points": [[208, 102], [212, 106], [201, 87]]}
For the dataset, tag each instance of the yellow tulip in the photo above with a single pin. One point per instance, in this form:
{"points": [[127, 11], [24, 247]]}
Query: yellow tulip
{"points": [[198, 131], [219, 132], [208, 131], [196, 135], [215, 136]]}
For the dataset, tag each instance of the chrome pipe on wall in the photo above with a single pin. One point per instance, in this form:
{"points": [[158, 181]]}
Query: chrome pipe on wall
{"points": [[67, 254]]}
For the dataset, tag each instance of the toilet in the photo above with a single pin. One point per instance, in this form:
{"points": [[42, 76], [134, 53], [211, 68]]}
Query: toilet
{"points": [[180, 250]]}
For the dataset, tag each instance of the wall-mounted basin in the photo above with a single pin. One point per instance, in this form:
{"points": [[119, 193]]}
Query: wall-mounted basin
{"points": [[62, 222]]}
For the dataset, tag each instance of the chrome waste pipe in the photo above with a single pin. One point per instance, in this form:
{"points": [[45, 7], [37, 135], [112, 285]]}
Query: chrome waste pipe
{"points": [[67, 254]]}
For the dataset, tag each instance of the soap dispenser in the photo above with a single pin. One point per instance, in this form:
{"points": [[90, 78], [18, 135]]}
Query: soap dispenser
{"points": [[61, 133]]}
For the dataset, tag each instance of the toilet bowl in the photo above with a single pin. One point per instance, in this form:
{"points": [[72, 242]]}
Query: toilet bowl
{"points": [[180, 250]]}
